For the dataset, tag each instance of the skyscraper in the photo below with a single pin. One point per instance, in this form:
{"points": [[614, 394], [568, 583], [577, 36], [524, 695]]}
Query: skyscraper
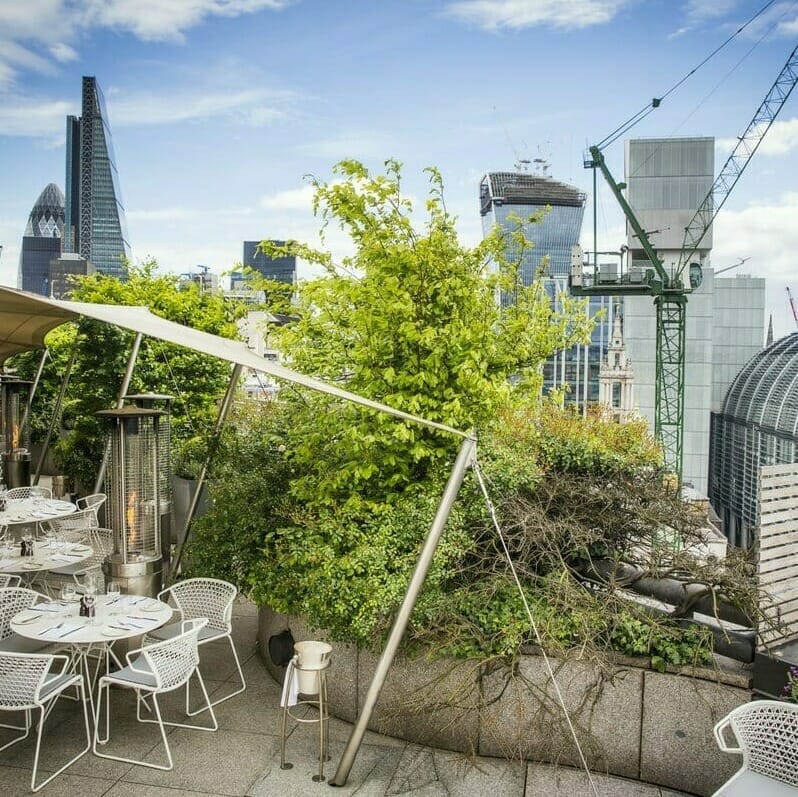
{"points": [[41, 240], [280, 269], [95, 217], [505, 197]]}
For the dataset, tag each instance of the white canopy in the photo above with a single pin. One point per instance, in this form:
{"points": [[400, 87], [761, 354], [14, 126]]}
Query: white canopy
{"points": [[25, 318]]}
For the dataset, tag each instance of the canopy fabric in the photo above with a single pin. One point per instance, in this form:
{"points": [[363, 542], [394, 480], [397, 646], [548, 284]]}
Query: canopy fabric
{"points": [[25, 318]]}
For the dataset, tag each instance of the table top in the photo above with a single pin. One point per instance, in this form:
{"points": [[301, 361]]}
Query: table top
{"points": [[123, 618], [45, 557], [34, 510]]}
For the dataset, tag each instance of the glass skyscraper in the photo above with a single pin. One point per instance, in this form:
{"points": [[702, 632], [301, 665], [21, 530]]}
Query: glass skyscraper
{"points": [[280, 269], [506, 197], [41, 241], [95, 216]]}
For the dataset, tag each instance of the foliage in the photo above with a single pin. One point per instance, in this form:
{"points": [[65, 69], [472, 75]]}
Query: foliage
{"points": [[409, 319], [320, 506], [101, 353], [791, 687]]}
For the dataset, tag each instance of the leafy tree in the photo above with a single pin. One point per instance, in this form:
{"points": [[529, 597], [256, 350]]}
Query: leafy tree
{"points": [[195, 380], [411, 320]]}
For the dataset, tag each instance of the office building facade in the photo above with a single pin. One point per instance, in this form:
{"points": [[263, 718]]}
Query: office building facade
{"points": [[280, 269], [756, 425], [504, 199], [41, 241], [96, 227], [667, 180], [63, 270]]}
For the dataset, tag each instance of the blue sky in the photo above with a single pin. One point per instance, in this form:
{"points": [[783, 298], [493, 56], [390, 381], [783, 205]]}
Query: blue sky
{"points": [[219, 108]]}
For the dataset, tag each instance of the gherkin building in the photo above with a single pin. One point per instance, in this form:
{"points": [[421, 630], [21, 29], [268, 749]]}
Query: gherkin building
{"points": [[757, 425], [41, 241]]}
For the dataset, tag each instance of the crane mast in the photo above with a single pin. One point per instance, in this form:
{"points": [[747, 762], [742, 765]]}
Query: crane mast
{"points": [[792, 306], [669, 290]]}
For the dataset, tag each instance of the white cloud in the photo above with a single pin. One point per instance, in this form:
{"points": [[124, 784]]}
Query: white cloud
{"points": [[158, 214], [34, 33], [496, 14], [781, 139], [254, 106], [293, 199], [361, 144], [63, 52], [31, 117]]}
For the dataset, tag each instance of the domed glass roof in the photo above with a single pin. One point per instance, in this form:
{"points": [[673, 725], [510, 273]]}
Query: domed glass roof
{"points": [[765, 392], [46, 220]]}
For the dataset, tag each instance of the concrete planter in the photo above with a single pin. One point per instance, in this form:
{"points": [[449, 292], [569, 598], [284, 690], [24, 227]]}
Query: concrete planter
{"points": [[630, 720]]}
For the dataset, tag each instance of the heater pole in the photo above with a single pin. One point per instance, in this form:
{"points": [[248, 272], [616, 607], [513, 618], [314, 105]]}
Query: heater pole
{"points": [[465, 459], [56, 416], [221, 417], [131, 364]]}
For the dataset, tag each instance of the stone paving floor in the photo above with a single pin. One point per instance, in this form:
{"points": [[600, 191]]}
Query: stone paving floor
{"points": [[242, 759]]}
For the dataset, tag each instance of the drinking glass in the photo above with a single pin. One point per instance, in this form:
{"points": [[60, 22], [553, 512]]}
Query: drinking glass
{"points": [[68, 593], [112, 591], [90, 599]]}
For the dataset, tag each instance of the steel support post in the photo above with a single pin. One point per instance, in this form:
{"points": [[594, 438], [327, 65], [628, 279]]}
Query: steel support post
{"points": [[464, 460], [33, 387], [123, 390], [221, 417], [55, 418]]}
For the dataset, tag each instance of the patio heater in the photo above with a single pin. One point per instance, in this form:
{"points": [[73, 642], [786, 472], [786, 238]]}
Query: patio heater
{"points": [[161, 401], [133, 486], [15, 431]]}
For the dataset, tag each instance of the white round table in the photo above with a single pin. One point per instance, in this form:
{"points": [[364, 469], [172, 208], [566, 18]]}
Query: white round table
{"points": [[45, 557], [122, 618], [34, 510]]}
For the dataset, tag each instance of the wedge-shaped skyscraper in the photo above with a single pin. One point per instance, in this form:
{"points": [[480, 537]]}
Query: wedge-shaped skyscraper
{"points": [[95, 225]]}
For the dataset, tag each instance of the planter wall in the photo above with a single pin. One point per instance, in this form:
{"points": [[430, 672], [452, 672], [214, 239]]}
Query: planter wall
{"points": [[630, 720]]}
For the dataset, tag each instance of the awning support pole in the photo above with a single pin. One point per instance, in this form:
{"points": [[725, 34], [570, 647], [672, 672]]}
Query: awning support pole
{"points": [[120, 400], [221, 417], [465, 459], [55, 418], [32, 392]]}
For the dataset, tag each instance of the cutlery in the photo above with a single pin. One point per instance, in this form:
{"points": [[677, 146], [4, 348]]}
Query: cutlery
{"points": [[54, 628], [70, 631], [29, 619], [146, 619]]}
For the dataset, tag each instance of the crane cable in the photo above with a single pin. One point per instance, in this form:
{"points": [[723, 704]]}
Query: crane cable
{"points": [[657, 101], [533, 624]]}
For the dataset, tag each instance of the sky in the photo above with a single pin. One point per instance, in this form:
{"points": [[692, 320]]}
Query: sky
{"points": [[220, 109]]}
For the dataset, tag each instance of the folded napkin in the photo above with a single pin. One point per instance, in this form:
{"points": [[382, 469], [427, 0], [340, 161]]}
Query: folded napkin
{"points": [[48, 607], [137, 622], [126, 601], [64, 557], [65, 630], [290, 687]]}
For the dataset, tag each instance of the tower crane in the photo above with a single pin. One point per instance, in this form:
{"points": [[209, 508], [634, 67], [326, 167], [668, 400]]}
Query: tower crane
{"points": [[667, 286], [792, 306]]}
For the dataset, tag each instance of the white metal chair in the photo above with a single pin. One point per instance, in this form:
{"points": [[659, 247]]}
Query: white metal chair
{"points": [[72, 528], [153, 670], [21, 493], [204, 597], [766, 734], [12, 601], [9, 580], [92, 502], [29, 681]]}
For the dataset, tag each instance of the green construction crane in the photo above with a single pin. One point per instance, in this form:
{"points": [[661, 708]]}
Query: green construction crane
{"points": [[669, 289]]}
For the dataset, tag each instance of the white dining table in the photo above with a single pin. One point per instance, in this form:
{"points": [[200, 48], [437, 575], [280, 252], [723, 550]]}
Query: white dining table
{"points": [[34, 510], [119, 618], [47, 555]]}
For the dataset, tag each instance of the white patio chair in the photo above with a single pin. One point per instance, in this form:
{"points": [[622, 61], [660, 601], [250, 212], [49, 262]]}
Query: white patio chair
{"points": [[12, 601], [92, 502], [9, 580], [203, 597], [766, 734], [73, 528], [153, 670], [29, 681], [21, 493]]}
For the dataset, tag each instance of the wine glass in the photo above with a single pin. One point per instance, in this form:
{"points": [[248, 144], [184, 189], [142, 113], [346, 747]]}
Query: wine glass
{"points": [[112, 591], [67, 594], [90, 601]]}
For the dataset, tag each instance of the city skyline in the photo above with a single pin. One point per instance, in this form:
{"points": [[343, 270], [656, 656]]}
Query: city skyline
{"points": [[219, 110]]}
